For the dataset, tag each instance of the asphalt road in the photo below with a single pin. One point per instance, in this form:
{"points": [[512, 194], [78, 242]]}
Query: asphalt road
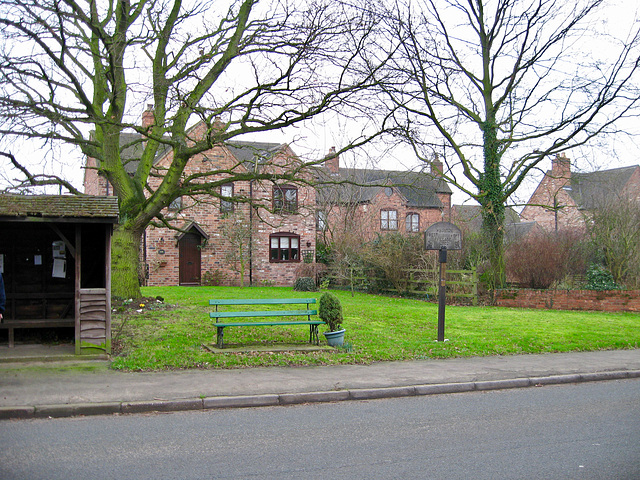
{"points": [[583, 431]]}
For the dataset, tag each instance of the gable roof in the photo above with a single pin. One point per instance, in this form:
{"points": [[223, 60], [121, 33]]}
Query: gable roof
{"points": [[59, 207], [470, 216], [518, 230], [589, 189], [252, 153], [353, 185], [248, 153]]}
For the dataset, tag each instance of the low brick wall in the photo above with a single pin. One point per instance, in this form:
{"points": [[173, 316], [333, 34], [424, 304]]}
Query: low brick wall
{"points": [[606, 301]]}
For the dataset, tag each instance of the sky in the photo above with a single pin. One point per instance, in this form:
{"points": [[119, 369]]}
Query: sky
{"points": [[326, 131]]}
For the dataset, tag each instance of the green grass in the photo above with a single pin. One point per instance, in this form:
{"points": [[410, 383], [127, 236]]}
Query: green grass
{"points": [[378, 329]]}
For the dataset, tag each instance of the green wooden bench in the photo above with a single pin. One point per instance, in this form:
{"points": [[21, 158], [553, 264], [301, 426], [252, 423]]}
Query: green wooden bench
{"points": [[221, 325]]}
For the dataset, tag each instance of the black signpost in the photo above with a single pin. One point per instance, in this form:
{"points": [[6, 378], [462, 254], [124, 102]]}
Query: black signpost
{"points": [[442, 236]]}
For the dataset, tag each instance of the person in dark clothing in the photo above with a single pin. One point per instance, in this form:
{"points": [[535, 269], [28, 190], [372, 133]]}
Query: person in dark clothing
{"points": [[3, 297]]}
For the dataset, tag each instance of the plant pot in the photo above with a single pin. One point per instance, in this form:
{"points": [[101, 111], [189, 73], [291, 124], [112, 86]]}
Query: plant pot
{"points": [[335, 339]]}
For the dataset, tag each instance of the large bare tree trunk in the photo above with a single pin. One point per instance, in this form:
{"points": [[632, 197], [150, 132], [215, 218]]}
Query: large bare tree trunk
{"points": [[125, 262]]}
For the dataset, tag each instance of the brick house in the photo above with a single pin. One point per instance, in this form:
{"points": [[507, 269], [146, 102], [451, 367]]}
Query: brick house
{"points": [[376, 202], [564, 198], [212, 234]]}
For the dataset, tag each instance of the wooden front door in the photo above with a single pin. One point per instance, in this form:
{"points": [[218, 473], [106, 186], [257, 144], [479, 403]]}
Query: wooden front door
{"points": [[189, 246]]}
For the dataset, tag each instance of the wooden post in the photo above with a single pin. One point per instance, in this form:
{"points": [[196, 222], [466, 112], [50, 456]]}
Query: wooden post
{"points": [[442, 293], [78, 280]]}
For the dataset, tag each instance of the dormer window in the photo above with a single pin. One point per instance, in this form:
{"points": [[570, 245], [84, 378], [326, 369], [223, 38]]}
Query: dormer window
{"points": [[176, 204], [285, 199]]}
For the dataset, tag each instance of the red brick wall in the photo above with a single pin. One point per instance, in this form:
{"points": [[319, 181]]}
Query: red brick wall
{"points": [[550, 193], [164, 268], [364, 222], [608, 301], [95, 184], [632, 188]]}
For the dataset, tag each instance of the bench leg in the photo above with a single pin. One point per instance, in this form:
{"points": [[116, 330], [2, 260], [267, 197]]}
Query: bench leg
{"points": [[220, 337], [313, 335]]}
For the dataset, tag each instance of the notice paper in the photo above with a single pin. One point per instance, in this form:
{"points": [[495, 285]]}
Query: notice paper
{"points": [[59, 268]]}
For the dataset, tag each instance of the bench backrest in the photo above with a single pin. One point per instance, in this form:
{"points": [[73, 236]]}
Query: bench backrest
{"points": [[261, 301]]}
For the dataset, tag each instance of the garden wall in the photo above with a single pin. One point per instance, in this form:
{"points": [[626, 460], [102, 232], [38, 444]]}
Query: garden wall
{"points": [[606, 301]]}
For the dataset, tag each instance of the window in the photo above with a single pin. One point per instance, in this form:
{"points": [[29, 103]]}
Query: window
{"points": [[284, 247], [388, 219], [285, 199], [413, 222], [322, 221], [176, 204], [226, 206]]}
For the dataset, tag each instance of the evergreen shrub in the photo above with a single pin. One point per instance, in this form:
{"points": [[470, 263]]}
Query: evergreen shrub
{"points": [[305, 284], [330, 311]]}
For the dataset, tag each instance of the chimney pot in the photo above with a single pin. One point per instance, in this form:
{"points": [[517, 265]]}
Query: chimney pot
{"points": [[332, 161], [561, 166], [436, 166], [148, 119]]}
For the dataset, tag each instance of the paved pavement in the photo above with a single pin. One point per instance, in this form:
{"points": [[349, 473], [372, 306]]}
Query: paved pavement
{"points": [[35, 388]]}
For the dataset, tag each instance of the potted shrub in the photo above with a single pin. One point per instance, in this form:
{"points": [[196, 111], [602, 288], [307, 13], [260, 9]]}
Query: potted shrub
{"points": [[330, 311]]}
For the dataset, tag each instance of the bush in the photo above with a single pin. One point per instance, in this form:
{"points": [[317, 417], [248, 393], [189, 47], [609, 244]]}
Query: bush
{"points": [[305, 284], [540, 259], [598, 278], [213, 278], [330, 311], [392, 254]]}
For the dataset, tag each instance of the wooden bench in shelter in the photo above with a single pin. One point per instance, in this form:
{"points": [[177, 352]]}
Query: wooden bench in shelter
{"points": [[308, 312]]}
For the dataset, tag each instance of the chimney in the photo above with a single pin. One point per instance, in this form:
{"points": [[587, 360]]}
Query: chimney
{"points": [[561, 167], [332, 161], [148, 118], [436, 166], [217, 124]]}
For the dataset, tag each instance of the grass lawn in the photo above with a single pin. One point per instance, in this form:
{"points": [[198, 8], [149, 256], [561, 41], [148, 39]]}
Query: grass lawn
{"points": [[378, 329]]}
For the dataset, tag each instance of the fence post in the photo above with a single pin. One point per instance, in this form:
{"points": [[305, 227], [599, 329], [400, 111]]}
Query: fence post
{"points": [[474, 286]]}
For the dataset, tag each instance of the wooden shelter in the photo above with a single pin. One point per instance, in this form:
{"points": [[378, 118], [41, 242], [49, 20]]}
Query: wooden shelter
{"points": [[55, 255]]}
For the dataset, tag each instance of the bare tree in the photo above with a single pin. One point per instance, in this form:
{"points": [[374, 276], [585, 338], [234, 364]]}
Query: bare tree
{"points": [[77, 73], [614, 226], [236, 230], [503, 84]]}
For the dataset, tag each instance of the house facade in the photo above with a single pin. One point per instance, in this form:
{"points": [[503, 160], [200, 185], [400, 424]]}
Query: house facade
{"points": [[563, 199], [366, 203], [251, 232], [222, 241], [259, 231]]}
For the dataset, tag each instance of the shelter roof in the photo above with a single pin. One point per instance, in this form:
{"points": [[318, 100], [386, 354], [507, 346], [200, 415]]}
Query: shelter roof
{"points": [[86, 207]]}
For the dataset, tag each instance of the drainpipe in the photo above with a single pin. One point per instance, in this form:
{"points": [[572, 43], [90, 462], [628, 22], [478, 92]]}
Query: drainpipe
{"points": [[250, 233]]}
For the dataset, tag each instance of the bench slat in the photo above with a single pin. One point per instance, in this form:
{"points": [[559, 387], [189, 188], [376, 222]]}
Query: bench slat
{"points": [[262, 324], [270, 313], [261, 301]]}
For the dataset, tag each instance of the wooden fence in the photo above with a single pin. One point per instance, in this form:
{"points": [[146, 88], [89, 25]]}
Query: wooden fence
{"points": [[461, 284]]}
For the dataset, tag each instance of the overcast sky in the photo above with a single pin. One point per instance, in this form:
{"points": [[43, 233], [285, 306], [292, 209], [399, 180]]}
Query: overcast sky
{"points": [[327, 131]]}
